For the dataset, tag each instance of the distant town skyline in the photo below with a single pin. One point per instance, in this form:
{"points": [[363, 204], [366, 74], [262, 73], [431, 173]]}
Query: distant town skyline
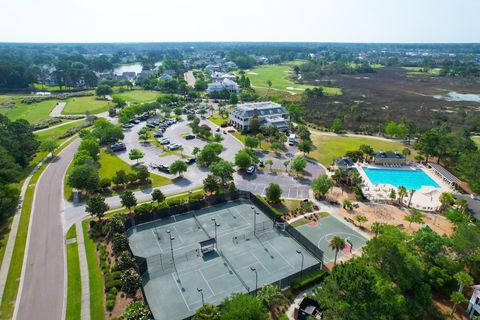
{"points": [[393, 21]]}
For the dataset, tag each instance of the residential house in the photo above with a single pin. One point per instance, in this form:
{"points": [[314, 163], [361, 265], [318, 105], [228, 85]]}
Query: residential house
{"points": [[220, 76], [145, 74], [473, 309], [269, 113], [166, 77], [226, 84], [388, 158], [211, 68], [230, 65]]}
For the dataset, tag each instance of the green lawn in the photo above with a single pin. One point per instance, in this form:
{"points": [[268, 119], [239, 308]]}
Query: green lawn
{"points": [[48, 88], [33, 113], [95, 277], [74, 281], [280, 75], [55, 133], [215, 118], [138, 96], [331, 147], [80, 105], [110, 164], [418, 70], [477, 141]]}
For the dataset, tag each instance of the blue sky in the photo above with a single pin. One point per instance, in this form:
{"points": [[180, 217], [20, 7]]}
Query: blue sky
{"points": [[241, 20]]}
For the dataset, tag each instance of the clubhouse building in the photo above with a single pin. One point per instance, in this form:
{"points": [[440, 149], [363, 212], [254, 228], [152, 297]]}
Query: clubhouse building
{"points": [[269, 113]]}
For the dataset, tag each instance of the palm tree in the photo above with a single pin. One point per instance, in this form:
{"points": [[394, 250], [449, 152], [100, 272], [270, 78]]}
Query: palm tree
{"points": [[354, 177], [462, 204], [406, 152], [377, 228], [337, 243], [412, 191], [402, 193], [269, 84], [446, 199]]}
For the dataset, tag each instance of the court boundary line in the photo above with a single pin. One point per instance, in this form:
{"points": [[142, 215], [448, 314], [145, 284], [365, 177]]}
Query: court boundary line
{"points": [[180, 290]]}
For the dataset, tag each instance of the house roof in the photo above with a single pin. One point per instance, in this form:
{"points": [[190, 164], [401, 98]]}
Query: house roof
{"points": [[389, 155], [267, 108], [444, 172], [344, 161], [473, 204]]}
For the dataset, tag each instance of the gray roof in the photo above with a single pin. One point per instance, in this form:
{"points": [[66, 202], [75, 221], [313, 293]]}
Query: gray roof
{"points": [[268, 108], [389, 155], [473, 204], [344, 161], [444, 172]]}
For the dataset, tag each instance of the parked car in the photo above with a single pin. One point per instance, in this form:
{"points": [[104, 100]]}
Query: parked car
{"points": [[261, 164], [163, 168], [158, 134], [250, 170], [136, 121], [224, 132], [190, 137], [119, 146], [190, 160], [164, 141], [151, 125], [217, 130], [174, 146]]}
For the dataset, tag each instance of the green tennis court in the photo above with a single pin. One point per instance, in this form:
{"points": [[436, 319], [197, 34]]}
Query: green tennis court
{"points": [[181, 273]]}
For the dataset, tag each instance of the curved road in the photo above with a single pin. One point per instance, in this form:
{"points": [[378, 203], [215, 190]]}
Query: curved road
{"points": [[41, 290]]}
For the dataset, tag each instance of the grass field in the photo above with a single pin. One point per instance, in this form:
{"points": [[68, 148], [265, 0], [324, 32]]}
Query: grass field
{"points": [[418, 70], [55, 133], [95, 277], [138, 96], [477, 141], [33, 113], [329, 147], [280, 75], [74, 283], [110, 164], [80, 105]]}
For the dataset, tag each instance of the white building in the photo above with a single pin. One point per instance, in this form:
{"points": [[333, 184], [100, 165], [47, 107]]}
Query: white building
{"points": [[474, 303], [269, 113], [225, 84], [220, 76]]}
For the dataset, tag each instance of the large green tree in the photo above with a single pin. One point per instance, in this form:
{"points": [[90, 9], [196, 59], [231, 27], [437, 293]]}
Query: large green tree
{"points": [[243, 306]]}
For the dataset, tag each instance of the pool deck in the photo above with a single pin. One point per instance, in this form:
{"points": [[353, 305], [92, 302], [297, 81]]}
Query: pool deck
{"points": [[425, 199]]}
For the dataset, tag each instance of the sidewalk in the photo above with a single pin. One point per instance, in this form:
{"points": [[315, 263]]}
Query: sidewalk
{"points": [[83, 272]]}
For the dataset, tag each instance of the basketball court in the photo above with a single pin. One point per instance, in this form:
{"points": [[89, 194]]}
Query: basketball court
{"points": [[206, 255], [322, 232]]}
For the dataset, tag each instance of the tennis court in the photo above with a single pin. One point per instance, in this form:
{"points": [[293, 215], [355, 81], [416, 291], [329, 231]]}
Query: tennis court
{"points": [[320, 233], [180, 272]]}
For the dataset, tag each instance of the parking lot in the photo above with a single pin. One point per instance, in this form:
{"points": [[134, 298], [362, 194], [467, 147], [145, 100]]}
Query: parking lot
{"points": [[257, 182]]}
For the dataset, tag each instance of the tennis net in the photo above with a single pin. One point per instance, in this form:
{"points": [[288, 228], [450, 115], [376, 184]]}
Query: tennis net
{"points": [[233, 269], [200, 225]]}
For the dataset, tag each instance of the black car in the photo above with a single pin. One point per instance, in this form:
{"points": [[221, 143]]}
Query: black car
{"points": [[163, 168], [190, 137], [158, 134], [119, 146], [151, 125], [190, 160]]}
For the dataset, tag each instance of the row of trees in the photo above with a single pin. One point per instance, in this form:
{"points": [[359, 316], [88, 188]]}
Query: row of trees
{"points": [[17, 147]]}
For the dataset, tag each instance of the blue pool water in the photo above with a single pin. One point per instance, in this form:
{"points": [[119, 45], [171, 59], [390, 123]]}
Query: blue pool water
{"points": [[410, 179]]}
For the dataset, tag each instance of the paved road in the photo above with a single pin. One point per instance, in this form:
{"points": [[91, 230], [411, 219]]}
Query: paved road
{"points": [[41, 294], [190, 78]]}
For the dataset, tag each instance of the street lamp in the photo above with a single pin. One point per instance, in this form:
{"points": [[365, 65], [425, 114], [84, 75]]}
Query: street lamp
{"points": [[301, 268], [256, 277], [171, 244], [255, 214], [201, 293], [216, 225]]}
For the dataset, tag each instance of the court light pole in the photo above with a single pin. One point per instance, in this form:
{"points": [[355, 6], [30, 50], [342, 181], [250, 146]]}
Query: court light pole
{"points": [[301, 268], [215, 225], [255, 213], [200, 290], [256, 277], [171, 244]]}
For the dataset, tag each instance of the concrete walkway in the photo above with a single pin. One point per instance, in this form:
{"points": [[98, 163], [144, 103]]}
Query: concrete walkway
{"points": [[83, 272], [296, 303], [57, 111]]}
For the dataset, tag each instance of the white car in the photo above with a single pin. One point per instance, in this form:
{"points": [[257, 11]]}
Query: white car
{"points": [[164, 141], [174, 146], [250, 170]]}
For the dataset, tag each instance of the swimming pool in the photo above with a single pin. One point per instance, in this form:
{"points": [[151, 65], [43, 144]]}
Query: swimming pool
{"points": [[410, 179]]}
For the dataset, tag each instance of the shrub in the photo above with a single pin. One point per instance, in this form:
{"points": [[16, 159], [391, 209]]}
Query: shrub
{"points": [[130, 281], [119, 243], [174, 202], [143, 209], [110, 304], [126, 261], [309, 280]]}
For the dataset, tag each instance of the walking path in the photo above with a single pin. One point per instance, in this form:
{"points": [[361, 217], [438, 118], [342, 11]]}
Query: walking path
{"points": [[83, 272], [296, 303], [190, 78], [59, 125], [57, 111]]}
